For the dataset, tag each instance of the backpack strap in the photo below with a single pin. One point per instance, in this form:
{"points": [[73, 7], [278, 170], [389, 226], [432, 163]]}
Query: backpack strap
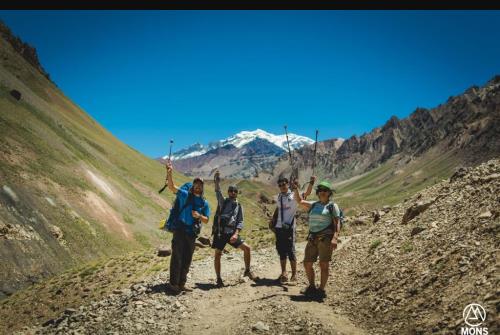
{"points": [[189, 201], [312, 206]]}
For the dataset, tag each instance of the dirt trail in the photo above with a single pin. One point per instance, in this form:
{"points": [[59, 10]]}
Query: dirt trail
{"points": [[242, 307]]}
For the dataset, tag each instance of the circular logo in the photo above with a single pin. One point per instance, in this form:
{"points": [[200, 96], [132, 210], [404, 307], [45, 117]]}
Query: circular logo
{"points": [[474, 315]]}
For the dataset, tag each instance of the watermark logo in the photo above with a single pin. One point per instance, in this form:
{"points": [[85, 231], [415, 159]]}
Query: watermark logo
{"points": [[474, 315]]}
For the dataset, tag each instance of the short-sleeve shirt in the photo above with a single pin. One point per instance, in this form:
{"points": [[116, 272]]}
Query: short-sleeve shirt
{"points": [[198, 204], [320, 217], [289, 208]]}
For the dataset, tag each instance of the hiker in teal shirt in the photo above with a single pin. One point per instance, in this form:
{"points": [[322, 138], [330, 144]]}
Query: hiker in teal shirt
{"points": [[323, 234]]}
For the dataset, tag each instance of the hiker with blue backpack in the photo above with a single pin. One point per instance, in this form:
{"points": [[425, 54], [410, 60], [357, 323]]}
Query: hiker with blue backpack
{"points": [[227, 225], [190, 210], [324, 227]]}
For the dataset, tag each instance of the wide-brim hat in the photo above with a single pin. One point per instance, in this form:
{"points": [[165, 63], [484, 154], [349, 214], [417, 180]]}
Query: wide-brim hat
{"points": [[325, 184]]}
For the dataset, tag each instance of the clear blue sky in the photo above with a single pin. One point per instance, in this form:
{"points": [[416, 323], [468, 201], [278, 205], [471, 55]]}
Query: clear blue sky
{"points": [[199, 76]]}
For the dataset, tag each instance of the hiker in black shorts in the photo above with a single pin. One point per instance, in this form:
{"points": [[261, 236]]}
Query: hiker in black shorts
{"points": [[284, 227], [227, 225]]}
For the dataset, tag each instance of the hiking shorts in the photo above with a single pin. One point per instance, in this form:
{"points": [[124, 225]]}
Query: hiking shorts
{"points": [[319, 246], [220, 243], [285, 243]]}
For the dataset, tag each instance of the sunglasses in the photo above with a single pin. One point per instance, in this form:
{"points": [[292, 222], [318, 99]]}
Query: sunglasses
{"points": [[281, 184], [323, 190], [233, 191]]}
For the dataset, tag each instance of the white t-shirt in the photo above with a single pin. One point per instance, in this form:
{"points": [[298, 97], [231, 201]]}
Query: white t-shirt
{"points": [[289, 208]]}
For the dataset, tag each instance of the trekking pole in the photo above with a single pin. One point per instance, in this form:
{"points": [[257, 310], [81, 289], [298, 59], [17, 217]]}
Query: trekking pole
{"points": [[315, 147], [314, 156], [289, 152], [169, 159]]}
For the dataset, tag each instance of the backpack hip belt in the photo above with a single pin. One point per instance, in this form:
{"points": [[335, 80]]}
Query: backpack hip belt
{"points": [[314, 235]]}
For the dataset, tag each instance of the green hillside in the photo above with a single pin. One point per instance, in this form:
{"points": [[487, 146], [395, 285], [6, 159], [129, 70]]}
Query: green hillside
{"points": [[395, 180], [70, 191]]}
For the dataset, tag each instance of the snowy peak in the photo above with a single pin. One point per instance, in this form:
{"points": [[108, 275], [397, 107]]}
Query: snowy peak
{"points": [[241, 139], [244, 137], [194, 150]]}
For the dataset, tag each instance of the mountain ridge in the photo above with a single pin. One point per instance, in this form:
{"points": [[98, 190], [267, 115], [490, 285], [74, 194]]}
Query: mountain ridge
{"points": [[239, 140]]}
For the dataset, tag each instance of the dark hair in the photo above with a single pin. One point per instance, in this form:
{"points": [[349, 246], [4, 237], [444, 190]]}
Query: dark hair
{"points": [[329, 191], [282, 180]]}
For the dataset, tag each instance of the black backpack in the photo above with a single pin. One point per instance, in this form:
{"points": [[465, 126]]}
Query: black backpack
{"points": [[221, 222]]}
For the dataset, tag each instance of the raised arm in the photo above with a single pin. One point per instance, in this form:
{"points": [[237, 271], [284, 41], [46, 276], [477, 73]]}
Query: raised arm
{"points": [[170, 181], [218, 193], [303, 203], [309, 187]]}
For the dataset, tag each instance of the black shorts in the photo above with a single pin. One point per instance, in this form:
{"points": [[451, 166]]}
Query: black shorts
{"points": [[220, 243], [285, 243]]}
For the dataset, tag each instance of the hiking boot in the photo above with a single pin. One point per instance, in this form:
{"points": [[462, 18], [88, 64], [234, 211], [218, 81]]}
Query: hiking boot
{"points": [[175, 289], [220, 283], [309, 291], [293, 281], [282, 279], [250, 275], [320, 293], [185, 288]]}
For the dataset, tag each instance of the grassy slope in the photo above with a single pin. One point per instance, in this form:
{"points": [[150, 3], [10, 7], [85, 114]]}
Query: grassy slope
{"points": [[48, 144], [388, 184]]}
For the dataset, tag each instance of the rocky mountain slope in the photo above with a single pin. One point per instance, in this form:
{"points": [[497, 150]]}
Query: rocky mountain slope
{"points": [[240, 139], [70, 192], [398, 155], [416, 268], [410, 269], [243, 155]]}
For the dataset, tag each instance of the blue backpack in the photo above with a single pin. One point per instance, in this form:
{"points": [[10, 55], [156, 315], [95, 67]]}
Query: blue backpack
{"points": [[172, 223]]}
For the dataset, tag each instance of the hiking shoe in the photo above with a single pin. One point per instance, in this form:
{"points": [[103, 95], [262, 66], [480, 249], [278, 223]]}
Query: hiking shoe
{"points": [[282, 279], [309, 291], [220, 283], [185, 288], [175, 289], [250, 275], [293, 281], [320, 293]]}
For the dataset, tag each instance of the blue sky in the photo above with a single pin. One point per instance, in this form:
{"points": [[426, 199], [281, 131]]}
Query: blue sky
{"points": [[199, 76]]}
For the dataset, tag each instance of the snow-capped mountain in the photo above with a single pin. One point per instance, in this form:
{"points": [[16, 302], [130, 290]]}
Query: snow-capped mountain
{"points": [[194, 150], [241, 139]]}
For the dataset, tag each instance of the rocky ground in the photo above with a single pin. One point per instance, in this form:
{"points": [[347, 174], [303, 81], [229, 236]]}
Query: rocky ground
{"points": [[242, 307], [424, 260], [411, 270]]}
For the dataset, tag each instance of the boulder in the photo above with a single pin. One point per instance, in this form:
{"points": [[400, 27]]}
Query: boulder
{"points": [[416, 209], [204, 240], [16, 94], [164, 252]]}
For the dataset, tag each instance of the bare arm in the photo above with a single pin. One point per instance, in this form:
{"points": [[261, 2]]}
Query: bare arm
{"points": [[309, 187], [170, 180], [336, 221], [303, 203], [202, 217], [218, 193]]}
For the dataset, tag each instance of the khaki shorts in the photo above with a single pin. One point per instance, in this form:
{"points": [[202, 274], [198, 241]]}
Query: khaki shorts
{"points": [[320, 246]]}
